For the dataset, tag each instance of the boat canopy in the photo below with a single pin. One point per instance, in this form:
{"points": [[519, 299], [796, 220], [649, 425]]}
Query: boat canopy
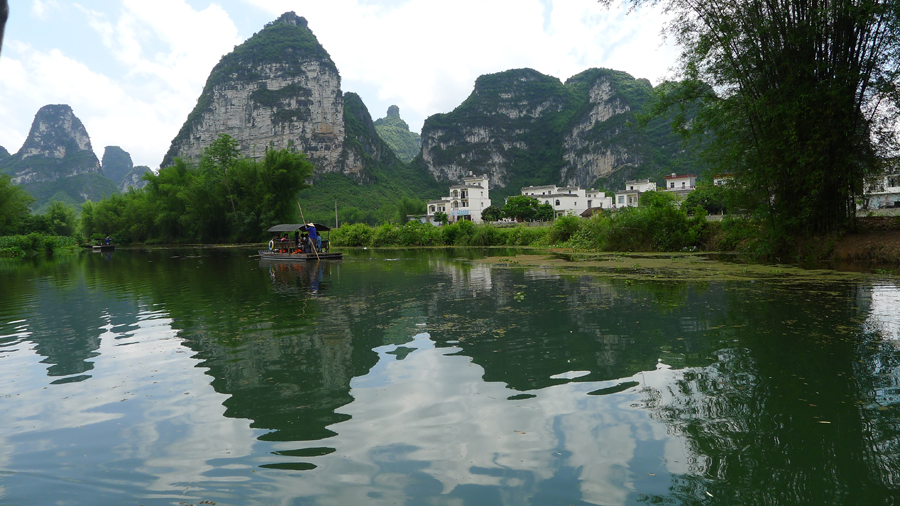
{"points": [[294, 226]]}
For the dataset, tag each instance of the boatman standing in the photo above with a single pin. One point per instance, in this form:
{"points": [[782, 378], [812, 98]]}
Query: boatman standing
{"points": [[314, 237]]}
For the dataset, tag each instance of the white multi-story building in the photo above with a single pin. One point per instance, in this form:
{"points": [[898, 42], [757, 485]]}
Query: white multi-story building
{"points": [[681, 182], [631, 195], [466, 201], [568, 199]]}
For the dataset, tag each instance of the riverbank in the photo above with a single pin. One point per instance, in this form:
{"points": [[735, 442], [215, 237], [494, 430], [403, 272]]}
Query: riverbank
{"points": [[876, 241]]}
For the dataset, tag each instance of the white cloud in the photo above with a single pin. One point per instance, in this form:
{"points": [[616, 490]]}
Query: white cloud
{"points": [[41, 8], [166, 49], [421, 55]]}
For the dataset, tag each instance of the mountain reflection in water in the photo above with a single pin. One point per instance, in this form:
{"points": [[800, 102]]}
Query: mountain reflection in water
{"points": [[422, 378]]}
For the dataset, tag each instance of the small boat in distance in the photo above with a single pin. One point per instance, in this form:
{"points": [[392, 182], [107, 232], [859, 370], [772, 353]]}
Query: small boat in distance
{"points": [[284, 245], [103, 248]]}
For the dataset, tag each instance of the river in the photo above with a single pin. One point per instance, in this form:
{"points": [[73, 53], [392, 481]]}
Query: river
{"points": [[208, 376]]}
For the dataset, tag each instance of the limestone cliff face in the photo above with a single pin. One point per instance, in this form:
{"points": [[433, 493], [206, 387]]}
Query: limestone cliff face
{"points": [[134, 179], [524, 128], [57, 147], [501, 130], [600, 140], [279, 89]]}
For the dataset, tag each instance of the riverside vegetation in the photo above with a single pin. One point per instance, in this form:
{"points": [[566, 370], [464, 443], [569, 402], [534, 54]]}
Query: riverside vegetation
{"points": [[659, 225]]}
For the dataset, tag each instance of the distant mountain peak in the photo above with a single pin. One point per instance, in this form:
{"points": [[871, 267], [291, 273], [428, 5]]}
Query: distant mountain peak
{"points": [[395, 132], [290, 18], [57, 146]]}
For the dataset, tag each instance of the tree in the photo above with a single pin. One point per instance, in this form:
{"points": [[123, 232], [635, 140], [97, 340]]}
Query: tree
{"points": [[218, 158], [14, 202], [544, 212], [491, 213], [712, 198], [801, 97], [61, 218], [442, 218], [407, 206], [520, 207]]}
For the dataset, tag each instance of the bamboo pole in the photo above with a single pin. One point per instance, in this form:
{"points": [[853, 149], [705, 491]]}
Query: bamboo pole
{"points": [[310, 242]]}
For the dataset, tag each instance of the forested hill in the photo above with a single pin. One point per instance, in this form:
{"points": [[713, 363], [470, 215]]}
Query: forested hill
{"points": [[396, 133], [525, 128]]}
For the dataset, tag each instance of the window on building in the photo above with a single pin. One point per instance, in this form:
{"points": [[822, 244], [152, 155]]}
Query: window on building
{"points": [[557, 201], [682, 185], [621, 199], [672, 185]]}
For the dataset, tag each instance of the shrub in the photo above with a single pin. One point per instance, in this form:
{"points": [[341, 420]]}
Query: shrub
{"points": [[564, 228], [357, 234]]}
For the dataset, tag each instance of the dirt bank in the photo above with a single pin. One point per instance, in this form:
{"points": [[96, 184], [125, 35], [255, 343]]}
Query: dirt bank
{"points": [[878, 240]]}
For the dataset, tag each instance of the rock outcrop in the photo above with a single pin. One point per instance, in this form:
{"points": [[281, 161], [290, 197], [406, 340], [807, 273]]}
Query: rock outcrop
{"points": [[134, 179], [395, 132], [57, 147], [118, 167], [278, 89], [116, 163], [525, 128]]}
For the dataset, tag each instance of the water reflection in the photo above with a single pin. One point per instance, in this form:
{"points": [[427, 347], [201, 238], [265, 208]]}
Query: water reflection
{"points": [[419, 377]]}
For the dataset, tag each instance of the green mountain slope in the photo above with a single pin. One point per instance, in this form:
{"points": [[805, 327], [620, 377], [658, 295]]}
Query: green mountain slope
{"points": [[396, 134]]}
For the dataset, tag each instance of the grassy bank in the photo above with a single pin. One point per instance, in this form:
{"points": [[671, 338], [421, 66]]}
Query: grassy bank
{"points": [[21, 246]]}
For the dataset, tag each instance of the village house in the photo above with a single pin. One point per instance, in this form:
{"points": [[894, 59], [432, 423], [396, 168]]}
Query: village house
{"points": [[681, 183], [466, 201], [883, 192], [631, 195], [722, 179], [568, 199]]}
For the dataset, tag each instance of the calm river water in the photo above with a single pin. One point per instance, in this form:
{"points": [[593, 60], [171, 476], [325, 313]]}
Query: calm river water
{"points": [[209, 377]]}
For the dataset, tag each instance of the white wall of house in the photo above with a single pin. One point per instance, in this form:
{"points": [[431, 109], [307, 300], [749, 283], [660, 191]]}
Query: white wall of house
{"points": [[677, 182], [884, 192], [568, 199], [465, 202], [631, 195]]}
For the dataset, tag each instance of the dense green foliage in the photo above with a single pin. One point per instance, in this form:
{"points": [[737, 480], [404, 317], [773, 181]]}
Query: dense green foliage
{"points": [[659, 225], [407, 207], [70, 190], [714, 199], [520, 208], [395, 132], [14, 202], [224, 199], [35, 243], [801, 96]]}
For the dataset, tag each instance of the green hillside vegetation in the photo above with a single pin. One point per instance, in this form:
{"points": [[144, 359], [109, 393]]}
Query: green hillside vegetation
{"points": [[73, 190], [387, 179], [395, 132], [288, 45], [116, 163]]}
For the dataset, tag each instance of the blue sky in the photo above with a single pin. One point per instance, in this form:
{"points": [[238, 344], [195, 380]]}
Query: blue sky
{"points": [[132, 69]]}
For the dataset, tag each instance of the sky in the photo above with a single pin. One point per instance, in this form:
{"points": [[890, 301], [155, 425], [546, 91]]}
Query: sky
{"points": [[132, 70]]}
